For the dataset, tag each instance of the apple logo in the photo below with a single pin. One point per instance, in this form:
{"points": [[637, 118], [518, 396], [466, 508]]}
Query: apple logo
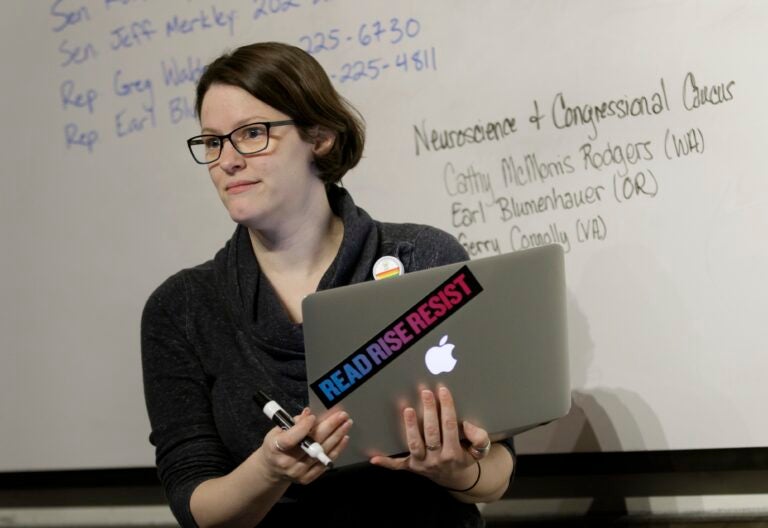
{"points": [[440, 358]]}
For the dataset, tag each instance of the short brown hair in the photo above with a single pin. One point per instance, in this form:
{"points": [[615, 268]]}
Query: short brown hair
{"points": [[290, 80]]}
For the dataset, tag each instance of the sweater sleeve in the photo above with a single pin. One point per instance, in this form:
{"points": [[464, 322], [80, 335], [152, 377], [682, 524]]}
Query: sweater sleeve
{"points": [[188, 449]]}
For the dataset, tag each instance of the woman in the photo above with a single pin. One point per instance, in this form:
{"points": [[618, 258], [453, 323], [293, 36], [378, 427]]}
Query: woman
{"points": [[277, 138]]}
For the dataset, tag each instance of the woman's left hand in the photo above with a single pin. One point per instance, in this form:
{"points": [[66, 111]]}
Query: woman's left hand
{"points": [[434, 449]]}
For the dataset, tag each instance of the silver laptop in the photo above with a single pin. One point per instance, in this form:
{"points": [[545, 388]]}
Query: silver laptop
{"points": [[492, 330]]}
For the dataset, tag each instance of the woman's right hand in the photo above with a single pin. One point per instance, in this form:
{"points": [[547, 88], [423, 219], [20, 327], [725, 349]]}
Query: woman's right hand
{"points": [[284, 460]]}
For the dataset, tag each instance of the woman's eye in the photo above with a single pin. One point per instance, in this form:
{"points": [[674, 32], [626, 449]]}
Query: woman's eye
{"points": [[253, 132], [212, 143]]}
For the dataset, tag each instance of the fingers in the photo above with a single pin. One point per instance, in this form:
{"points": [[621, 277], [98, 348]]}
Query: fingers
{"points": [[439, 432], [439, 429], [290, 462], [435, 447], [330, 429], [280, 461], [432, 435], [448, 422], [334, 452], [413, 434], [291, 438], [390, 463], [480, 442], [316, 469], [331, 432]]}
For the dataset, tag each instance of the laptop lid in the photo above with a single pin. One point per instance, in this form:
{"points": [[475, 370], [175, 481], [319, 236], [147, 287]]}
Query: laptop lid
{"points": [[493, 330]]}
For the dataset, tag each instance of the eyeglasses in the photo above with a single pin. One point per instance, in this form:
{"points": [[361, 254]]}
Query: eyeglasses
{"points": [[247, 139]]}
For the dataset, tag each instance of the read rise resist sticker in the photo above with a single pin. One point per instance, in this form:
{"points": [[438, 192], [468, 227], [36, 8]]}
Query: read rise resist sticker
{"points": [[397, 337]]}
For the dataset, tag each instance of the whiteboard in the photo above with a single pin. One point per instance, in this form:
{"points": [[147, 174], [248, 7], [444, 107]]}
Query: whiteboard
{"points": [[631, 132]]}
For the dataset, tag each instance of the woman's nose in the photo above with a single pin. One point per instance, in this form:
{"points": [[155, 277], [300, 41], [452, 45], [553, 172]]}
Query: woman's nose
{"points": [[231, 160]]}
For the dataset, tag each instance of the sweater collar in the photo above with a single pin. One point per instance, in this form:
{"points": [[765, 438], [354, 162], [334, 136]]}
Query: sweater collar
{"points": [[254, 300]]}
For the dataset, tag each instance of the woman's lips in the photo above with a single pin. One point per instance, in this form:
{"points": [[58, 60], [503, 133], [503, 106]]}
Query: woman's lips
{"points": [[240, 188]]}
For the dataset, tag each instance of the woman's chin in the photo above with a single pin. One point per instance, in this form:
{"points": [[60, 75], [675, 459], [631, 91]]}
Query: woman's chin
{"points": [[246, 217]]}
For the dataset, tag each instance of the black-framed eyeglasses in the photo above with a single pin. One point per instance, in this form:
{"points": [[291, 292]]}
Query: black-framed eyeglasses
{"points": [[247, 139]]}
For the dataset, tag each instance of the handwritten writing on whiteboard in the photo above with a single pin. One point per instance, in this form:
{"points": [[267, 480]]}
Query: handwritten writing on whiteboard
{"points": [[574, 183], [74, 137], [202, 21], [182, 71], [502, 122], [64, 17], [560, 195], [139, 102], [72, 97], [365, 34], [565, 184], [132, 35], [426, 139], [269, 9], [76, 53], [118, 3]]}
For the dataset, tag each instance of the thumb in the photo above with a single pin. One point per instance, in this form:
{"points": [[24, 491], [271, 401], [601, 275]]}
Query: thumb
{"points": [[477, 436]]}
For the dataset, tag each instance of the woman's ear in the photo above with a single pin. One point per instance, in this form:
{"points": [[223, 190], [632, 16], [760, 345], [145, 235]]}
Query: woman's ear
{"points": [[323, 141]]}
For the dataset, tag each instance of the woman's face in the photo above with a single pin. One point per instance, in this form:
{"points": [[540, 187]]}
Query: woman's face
{"points": [[266, 189]]}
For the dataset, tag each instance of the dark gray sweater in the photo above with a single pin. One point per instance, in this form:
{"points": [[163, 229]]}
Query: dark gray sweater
{"points": [[214, 334]]}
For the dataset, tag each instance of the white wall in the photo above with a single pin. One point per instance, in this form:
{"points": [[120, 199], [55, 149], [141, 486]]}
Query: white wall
{"points": [[667, 294]]}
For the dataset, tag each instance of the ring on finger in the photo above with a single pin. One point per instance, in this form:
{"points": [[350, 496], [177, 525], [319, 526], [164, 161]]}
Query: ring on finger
{"points": [[433, 447], [416, 452], [480, 452], [278, 446]]}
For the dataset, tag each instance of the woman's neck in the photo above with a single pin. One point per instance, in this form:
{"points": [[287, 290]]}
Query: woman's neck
{"points": [[302, 247]]}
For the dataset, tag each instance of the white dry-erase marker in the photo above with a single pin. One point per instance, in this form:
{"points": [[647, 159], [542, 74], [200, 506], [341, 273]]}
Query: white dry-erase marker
{"points": [[282, 419]]}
